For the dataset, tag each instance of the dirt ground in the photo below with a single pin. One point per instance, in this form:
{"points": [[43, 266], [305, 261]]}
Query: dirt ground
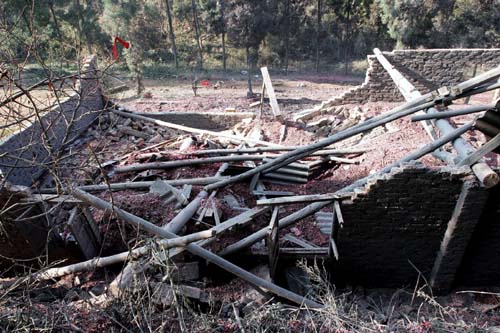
{"points": [[294, 93]]}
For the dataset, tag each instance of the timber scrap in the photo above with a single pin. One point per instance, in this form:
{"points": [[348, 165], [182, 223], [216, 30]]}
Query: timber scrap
{"points": [[293, 164]]}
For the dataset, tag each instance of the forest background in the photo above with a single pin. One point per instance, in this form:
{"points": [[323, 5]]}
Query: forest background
{"points": [[172, 36]]}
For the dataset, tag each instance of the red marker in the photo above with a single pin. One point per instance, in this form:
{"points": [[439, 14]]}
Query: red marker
{"points": [[115, 49]]}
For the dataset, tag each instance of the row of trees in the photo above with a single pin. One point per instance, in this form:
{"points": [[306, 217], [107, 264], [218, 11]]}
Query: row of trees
{"points": [[280, 33]]}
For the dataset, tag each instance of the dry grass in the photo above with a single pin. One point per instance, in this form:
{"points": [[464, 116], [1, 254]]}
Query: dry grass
{"points": [[62, 307]]}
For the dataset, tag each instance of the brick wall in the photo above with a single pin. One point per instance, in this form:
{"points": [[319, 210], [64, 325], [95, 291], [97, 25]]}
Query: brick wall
{"points": [[438, 221], [481, 263], [22, 153], [395, 219], [426, 69]]}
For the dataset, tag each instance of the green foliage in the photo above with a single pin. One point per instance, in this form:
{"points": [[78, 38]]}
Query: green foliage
{"points": [[277, 32], [248, 22]]}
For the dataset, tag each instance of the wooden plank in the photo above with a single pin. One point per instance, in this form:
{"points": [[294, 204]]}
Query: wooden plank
{"points": [[338, 213], [478, 154], [270, 92], [298, 241], [293, 252], [299, 199], [332, 246], [83, 233], [273, 242], [273, 193], [92, 224]]}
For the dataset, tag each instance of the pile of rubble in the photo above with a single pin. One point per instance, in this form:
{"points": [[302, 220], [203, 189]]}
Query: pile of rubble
{"points": [[210, 195]]}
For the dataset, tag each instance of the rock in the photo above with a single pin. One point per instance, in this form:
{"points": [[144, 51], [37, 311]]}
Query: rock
{"points": [[156, 139], [162, 188], [321, 122]]}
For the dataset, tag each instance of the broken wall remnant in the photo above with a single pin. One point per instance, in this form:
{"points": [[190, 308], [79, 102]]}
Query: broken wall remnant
{"points": [[23, 153], [427, 69], [481, 263], [397, 218], [25, 231], [420, 220]]}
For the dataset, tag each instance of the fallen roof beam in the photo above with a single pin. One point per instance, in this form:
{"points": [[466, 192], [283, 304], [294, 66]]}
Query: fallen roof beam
{"points": [[187, 162], [99, 262], [298, 199], [139, 185], [483, 172], [453, 113], [228, 151], [192, 129], [254, 280], [478, 154]]}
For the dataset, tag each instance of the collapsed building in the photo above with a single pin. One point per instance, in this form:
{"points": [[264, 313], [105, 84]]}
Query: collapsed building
{"points": [[434, 220]]}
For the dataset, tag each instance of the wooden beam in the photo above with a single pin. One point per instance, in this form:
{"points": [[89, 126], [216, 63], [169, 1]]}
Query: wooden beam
{"points": [[273, 242], [270, 92], [478, 154], [134, 185], [298, 241], [299, 199], [453, 113]]}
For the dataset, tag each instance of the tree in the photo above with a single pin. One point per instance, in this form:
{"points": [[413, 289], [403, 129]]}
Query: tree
{"points": [[319, 15], [415, 24], [350, 16], [247, 24], [171, 33], [135, 21], [197, 33], [476, 23], [213, 16]]}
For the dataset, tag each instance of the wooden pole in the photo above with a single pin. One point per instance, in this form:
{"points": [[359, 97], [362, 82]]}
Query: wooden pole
{"points": [[139, 185], [99, 262], [254, 280], [453, 113], [229, 151], [298, 199], [182, 163]]}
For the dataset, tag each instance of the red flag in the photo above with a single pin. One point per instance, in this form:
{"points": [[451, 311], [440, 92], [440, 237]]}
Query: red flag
{"points": [[115, 49], [205, 83]]}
